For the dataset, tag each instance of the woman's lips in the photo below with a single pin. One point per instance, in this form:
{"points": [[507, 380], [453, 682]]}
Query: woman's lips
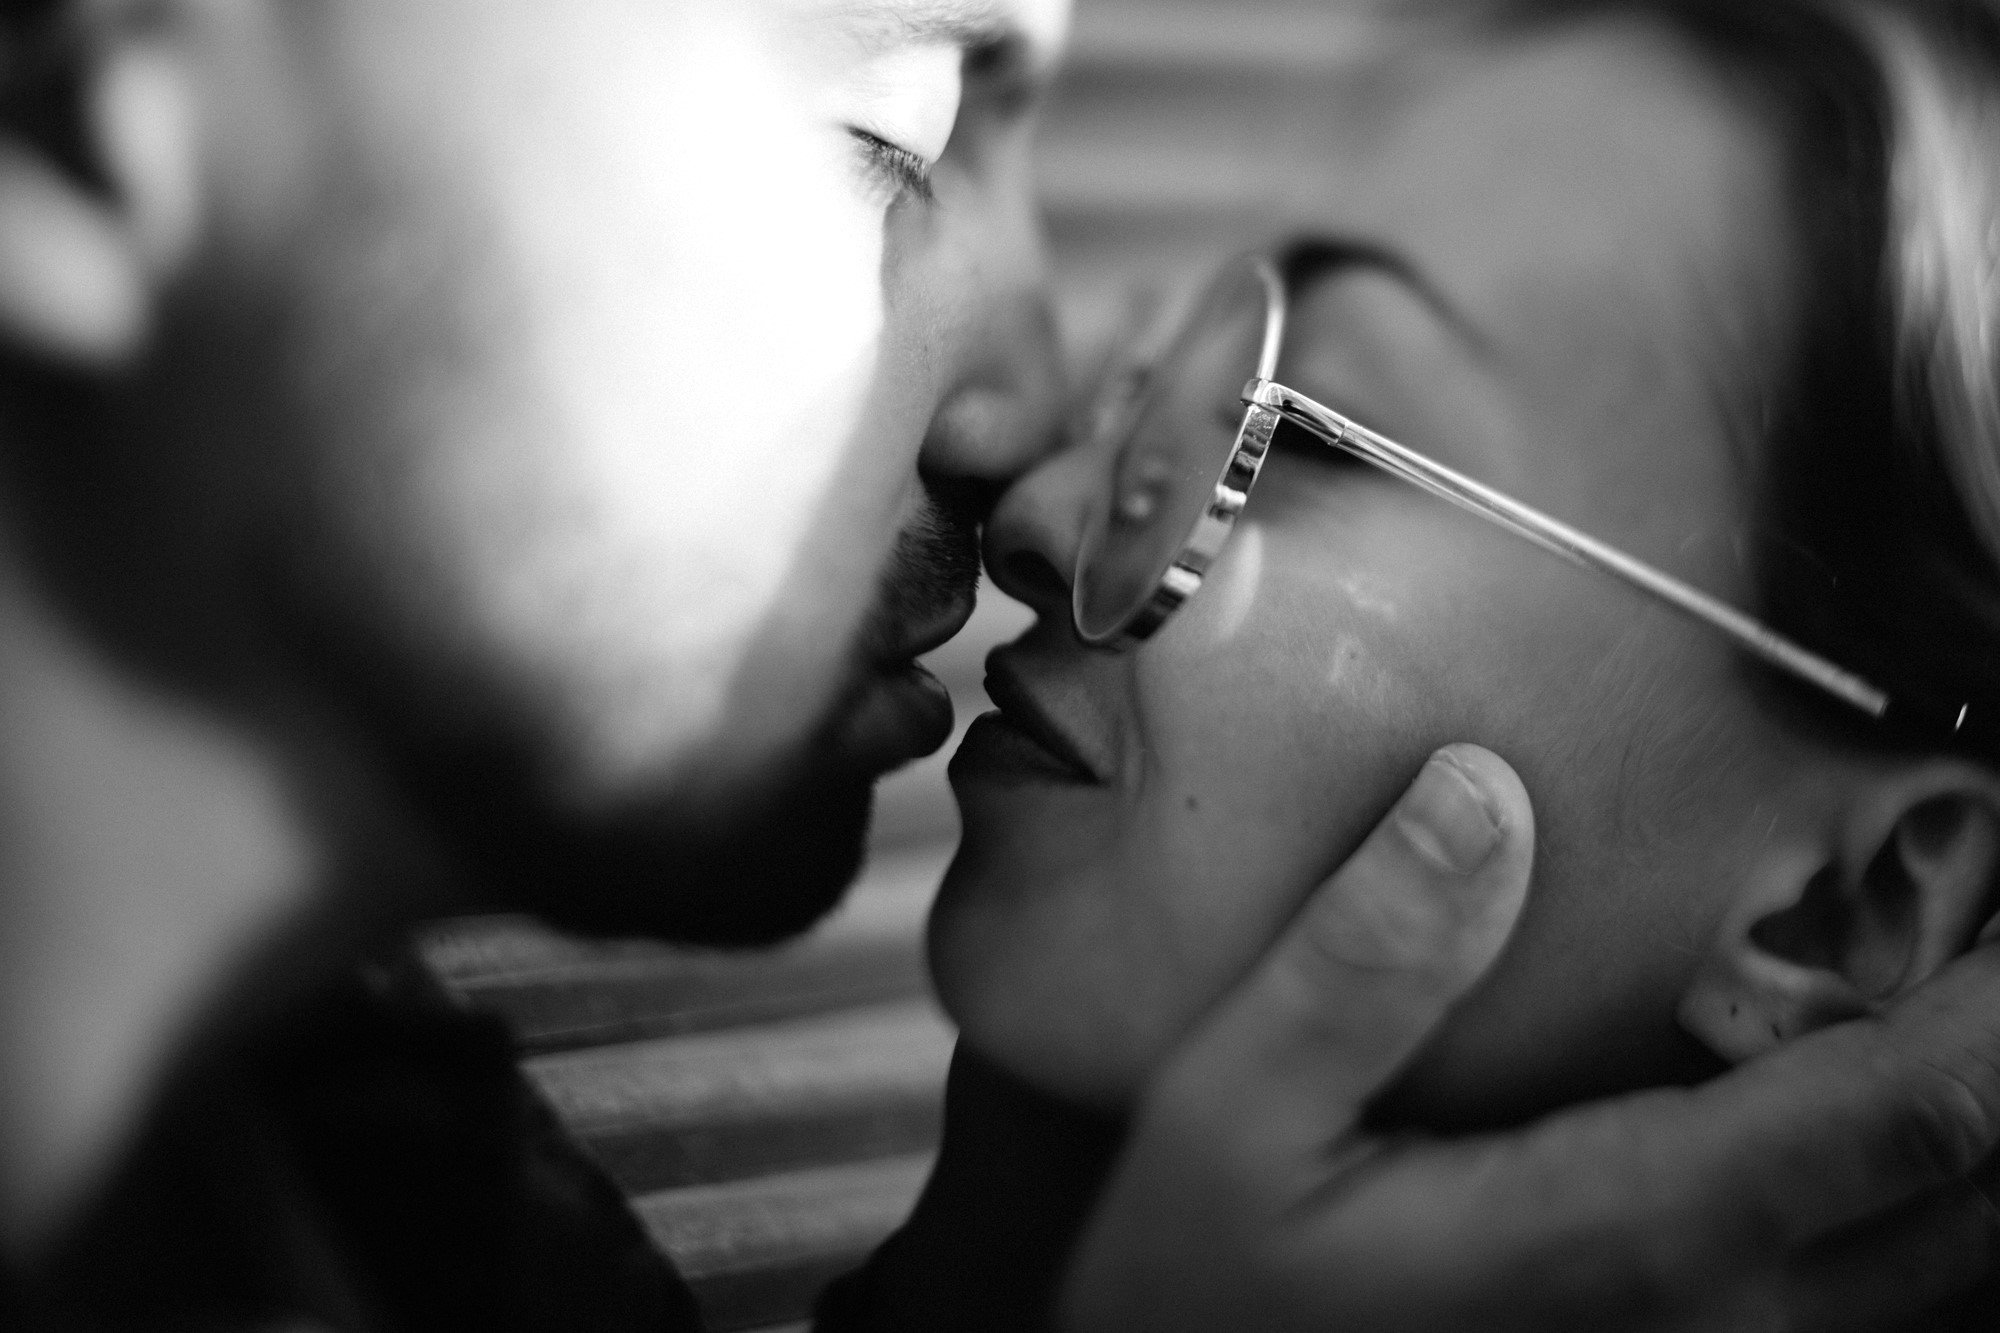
{"points": [[1020, 739], [997, 748]]}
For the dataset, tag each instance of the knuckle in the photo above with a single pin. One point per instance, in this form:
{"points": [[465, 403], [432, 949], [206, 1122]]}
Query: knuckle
{"points": [[1946, 1121], [1370, 928], [1367, 928]]}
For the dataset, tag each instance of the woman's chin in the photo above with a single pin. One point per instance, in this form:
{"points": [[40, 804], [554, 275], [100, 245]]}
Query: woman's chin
{"points": [[1013, 968]]}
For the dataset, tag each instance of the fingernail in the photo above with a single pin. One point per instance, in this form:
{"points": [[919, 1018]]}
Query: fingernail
{"points": [[1447, 817]]}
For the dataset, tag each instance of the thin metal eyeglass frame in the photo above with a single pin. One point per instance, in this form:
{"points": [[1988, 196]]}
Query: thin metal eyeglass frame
{"points": [[1267, 403]]}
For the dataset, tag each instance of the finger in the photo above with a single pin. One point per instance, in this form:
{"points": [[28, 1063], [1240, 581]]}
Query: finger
{"points": [[1677, 1193], [1852, 1121], [1372, 962], [1238, 1129], [1900, 1269]]}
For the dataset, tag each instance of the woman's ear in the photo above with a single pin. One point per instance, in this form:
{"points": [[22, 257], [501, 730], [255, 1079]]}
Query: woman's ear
{"points": [[1830, 925], [99, 182]]}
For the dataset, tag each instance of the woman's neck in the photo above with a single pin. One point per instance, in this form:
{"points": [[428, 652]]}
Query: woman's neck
{"points": [[985, 1248]]}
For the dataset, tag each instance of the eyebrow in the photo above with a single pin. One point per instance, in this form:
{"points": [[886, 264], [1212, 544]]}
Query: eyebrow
{"points": [[1306, 260]]}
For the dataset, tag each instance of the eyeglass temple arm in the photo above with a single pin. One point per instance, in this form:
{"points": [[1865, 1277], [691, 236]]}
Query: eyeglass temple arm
{"points": [[1553, 535]]}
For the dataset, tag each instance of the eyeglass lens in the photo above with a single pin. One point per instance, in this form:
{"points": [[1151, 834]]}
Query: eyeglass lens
{"points": [[1171, 434]]}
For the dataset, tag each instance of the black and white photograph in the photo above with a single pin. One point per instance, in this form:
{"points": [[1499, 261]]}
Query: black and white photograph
{"points": [[999, 666]]}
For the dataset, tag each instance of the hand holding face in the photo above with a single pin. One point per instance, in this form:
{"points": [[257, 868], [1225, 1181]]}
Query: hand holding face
{"points": [[1827, 1186]]}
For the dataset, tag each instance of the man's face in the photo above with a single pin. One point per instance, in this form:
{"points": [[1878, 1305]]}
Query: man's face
{"points": [[551, 390]]}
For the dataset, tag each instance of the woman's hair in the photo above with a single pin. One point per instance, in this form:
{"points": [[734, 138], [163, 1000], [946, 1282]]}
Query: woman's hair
{"points": [[1882, 500], [1879, 510]]}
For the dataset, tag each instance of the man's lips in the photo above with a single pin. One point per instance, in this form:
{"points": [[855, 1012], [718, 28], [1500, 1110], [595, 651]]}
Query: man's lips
{"points": [[900, 711], [895, 716], [913, 641]]}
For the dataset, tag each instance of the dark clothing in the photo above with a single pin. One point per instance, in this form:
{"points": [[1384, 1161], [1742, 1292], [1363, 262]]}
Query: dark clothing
{"points": [[984, 1251], [373, 1163], [1018, 1173]]}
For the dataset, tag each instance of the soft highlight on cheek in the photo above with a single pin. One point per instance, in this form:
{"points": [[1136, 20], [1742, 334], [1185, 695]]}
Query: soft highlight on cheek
{"points": [[1365, 618], [1232, 590], [741, 290], [1377, 605], [650, 225]]}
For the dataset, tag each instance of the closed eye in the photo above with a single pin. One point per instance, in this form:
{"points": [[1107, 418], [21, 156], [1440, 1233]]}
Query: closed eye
{"points": [[893, 165]]}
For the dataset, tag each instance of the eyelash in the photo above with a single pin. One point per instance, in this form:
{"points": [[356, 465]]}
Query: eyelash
{"points": [[902, 168]]}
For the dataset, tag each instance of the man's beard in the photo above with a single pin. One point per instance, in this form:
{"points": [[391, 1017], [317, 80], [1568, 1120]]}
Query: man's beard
{"points": [[932, 569], [758, 868], [769, 870]]}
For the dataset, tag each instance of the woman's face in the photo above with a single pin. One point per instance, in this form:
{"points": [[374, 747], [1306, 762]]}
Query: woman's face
{"points": [[1595, 222]]}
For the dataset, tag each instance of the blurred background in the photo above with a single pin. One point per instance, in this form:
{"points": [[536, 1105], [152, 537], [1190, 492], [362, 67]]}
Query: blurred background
{"points": [[772, 1118]]}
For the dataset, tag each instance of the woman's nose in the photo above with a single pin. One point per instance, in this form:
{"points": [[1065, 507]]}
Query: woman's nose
{"points": [[1033, 533]]}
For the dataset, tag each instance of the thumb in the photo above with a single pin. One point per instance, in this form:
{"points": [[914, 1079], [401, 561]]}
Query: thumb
{"points": [[1373, 961]]}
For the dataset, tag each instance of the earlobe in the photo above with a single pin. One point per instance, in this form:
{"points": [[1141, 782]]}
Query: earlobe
{"points": [[1772, 974], [82, 259], [1823, 931]]}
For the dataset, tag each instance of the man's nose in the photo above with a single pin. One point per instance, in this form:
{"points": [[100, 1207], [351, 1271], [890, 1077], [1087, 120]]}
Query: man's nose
{"points": [[1003, 411]]}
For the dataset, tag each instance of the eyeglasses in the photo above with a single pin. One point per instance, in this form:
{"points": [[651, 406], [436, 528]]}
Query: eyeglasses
{"points": [[1185, 461]]}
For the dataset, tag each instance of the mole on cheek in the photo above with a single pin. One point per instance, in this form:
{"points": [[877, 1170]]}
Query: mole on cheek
{"points": [[1341, 660]]}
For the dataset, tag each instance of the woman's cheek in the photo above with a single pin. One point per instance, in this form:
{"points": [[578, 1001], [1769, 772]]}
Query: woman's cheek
{"points": [[1300, 649], [1280, 720]]}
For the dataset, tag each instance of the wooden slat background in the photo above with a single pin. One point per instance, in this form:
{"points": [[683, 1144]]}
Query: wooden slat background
{"points": [[772, 1117]]}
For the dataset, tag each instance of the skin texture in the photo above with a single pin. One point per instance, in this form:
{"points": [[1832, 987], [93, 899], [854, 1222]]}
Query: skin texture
{"points": [[1599, 222], [374, 391], [425, 415], [441, 471]]}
